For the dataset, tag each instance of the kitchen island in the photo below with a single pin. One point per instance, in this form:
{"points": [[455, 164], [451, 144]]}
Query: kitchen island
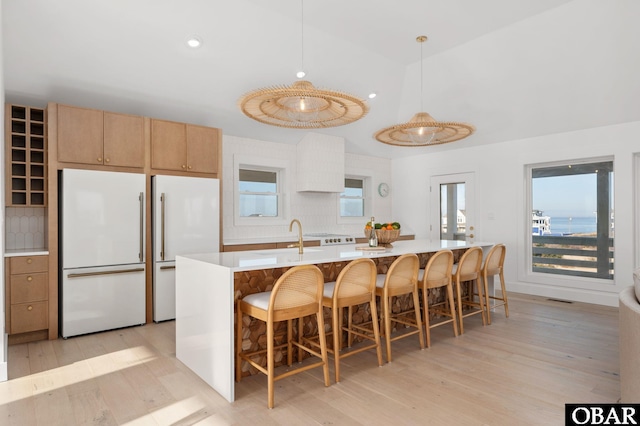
{"points": [[208, 284]]}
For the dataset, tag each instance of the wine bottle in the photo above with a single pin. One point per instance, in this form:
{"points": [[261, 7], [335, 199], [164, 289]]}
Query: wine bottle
{"points": [[373, 237]]}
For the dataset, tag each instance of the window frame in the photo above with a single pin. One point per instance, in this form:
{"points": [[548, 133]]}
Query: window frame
{"points": [[280, 167], [367, 197], [556, 280]]}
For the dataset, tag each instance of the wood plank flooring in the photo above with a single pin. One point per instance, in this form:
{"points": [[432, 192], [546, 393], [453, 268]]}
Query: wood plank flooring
{"points": [[519, 370]]}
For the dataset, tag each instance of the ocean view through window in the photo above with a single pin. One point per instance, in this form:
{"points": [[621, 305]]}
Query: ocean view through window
{"points": [[572, 219]]}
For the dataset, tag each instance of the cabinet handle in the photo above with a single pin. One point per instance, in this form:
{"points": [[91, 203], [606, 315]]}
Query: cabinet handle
{"points": [[29, 260], [99, 159], [29, 308], [106, 160], [189, 167], [184, 167], [29, 278]]}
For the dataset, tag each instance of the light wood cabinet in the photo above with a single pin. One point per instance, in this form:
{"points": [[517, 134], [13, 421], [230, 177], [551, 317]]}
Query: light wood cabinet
{"points": [[26, 156], [27, 294], [95, 137], [184, 147], [267, 246]]}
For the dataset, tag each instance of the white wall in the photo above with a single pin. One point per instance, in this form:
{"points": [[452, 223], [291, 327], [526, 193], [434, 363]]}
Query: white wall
{"points": [[501, 214], [3, 338], [316, 211]]}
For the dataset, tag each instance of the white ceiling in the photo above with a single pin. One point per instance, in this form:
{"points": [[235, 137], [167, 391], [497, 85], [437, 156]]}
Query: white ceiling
{"points": [[512, 68]]}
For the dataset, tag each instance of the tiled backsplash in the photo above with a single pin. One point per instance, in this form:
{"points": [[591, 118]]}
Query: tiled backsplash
{"points": [[25, 228]]}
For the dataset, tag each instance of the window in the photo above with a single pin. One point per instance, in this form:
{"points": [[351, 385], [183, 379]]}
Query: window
{"points": [[572, 219], [259, 194], [352, 200]]}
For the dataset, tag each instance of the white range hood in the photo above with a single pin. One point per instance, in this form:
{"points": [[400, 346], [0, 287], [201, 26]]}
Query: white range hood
{"points": [[320, 161]]}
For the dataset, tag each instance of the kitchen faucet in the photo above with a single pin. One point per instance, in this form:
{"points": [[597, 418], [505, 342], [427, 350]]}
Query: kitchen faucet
{"points": [[299, 244]]}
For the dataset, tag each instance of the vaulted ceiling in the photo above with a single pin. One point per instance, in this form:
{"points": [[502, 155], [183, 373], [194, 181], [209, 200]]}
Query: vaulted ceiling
{"points": [[513, 69]]}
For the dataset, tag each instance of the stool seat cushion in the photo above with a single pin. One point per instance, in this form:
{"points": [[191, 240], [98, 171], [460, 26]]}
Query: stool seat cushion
{"points": [[259, 300], [328, 289]]}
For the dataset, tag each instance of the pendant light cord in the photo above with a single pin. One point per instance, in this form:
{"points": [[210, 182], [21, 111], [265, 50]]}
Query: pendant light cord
{"points": [[421, 40], [302, 33]]}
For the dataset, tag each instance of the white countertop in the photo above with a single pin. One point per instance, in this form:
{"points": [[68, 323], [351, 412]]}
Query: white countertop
{"points": [[277, 258], [26, 252]]}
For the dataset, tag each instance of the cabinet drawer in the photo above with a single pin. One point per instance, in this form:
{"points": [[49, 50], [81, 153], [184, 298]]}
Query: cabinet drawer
{"points": [[26, 264], [27, 317], [29, 287]]}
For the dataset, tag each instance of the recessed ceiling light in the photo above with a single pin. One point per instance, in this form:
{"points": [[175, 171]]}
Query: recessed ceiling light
{"points": [[372, 95], [194, 42]]}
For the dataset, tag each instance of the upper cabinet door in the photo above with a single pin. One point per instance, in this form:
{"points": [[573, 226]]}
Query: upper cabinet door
{"points": [[168, 145], [123, 140], [80, 135], [202, 149]]}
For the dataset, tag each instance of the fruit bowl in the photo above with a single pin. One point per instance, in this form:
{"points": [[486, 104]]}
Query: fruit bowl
{"points": [[385, 237]]}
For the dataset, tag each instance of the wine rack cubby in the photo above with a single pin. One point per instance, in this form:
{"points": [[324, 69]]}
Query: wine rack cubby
{"points": [[26, 156]]}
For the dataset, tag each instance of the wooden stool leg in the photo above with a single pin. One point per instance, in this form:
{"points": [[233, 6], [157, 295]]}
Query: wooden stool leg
{"points": [[336, 342], [459, 306], [290, 340], [483, 310], [487, 299], [376, 328], [452, 309], [270, 365], [386, 316], [238, 342], [416, 306], [425, 315], [323, 347], [504, 295]]}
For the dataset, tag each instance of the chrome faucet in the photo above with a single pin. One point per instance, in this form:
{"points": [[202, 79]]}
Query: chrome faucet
{"points": [[299, 244]]}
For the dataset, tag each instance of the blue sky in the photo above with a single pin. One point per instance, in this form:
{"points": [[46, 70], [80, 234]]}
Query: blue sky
{"points": [[564, 196]]}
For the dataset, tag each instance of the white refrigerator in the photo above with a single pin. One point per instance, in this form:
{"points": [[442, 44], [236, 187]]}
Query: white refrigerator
{"points": [[102, 217], [186, 220]]}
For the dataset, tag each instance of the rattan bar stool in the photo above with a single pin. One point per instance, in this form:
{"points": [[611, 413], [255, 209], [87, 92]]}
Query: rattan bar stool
{"points": [[355, 285], [494, 265], [295, 295], [468, 270], [437, 274], [400, 279]]}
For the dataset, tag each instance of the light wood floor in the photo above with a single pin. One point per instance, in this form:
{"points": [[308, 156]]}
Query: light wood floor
{"points": [[520, 370]]}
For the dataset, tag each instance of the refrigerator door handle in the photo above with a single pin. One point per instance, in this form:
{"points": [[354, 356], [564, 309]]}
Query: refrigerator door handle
{"points": [[162, 198], [118, 271], [141, 254]]}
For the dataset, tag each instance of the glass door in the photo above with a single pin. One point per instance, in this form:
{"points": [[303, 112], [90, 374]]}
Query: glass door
{"points": [[452, 207]]}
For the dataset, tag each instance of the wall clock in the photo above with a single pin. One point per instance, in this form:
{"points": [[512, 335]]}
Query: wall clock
{"points": [[383, 189]]}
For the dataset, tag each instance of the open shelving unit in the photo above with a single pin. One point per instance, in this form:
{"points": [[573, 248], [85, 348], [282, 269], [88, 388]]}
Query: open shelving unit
{"points": [[26, 153]]}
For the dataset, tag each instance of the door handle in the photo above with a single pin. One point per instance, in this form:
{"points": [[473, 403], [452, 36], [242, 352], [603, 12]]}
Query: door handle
{"points": [[162, 199], [162, 268]]}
